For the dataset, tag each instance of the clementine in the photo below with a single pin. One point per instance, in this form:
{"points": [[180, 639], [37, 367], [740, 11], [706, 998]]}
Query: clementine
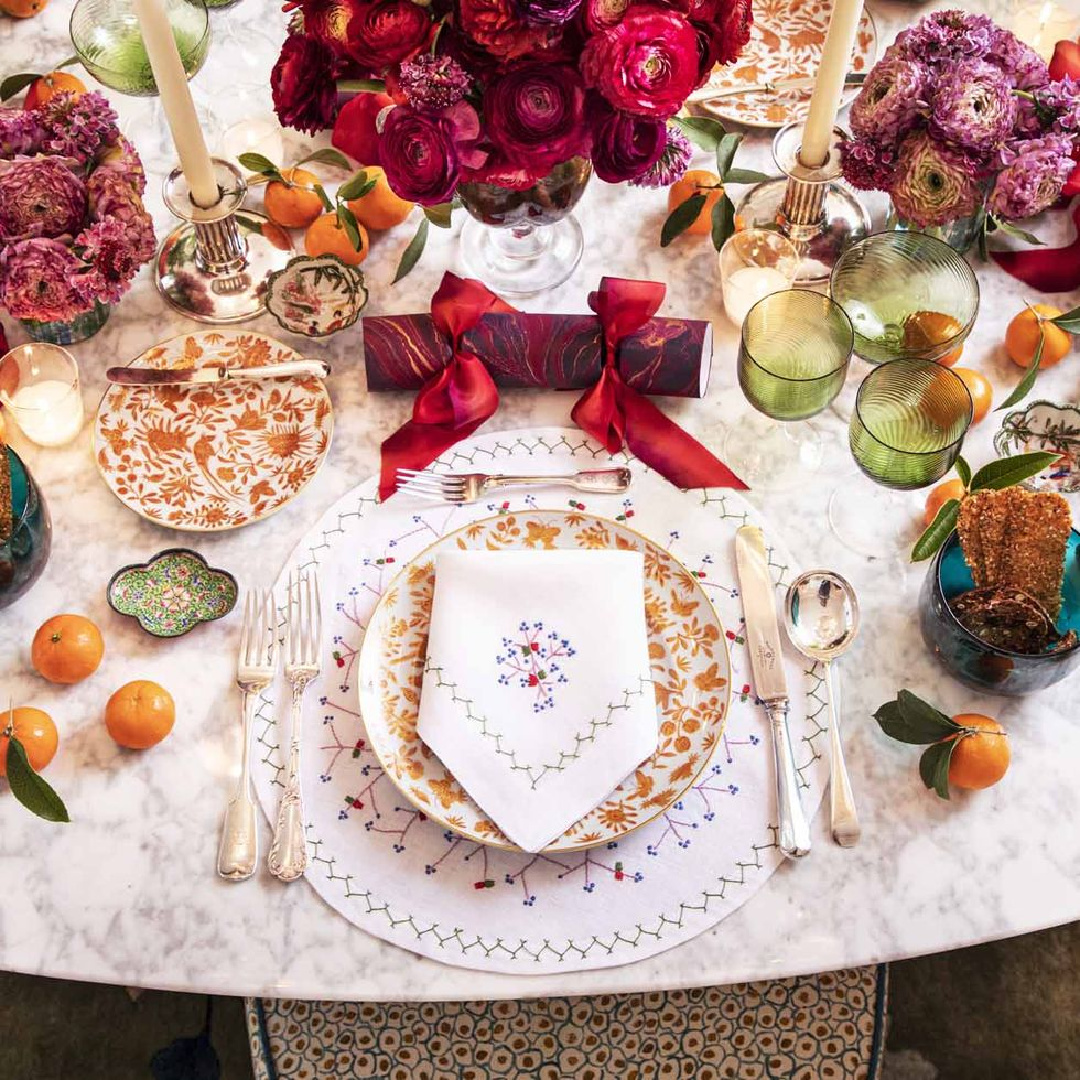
{"points": [[927, 331], [982, 393], [326, 236], [140, 714], [697, 182], [1022, 337], [981, 759], [939, 496], [67, 649], [22, 9], [35, 730], [381, 207], [294, 204], [48, 86]]}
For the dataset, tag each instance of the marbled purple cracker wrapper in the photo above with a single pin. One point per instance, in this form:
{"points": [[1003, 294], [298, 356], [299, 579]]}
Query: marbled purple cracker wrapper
{"points": [[669, 357]]}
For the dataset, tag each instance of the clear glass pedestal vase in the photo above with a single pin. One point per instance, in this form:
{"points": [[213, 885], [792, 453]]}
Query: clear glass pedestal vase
{"points": [[520, 243], [959, 234]]}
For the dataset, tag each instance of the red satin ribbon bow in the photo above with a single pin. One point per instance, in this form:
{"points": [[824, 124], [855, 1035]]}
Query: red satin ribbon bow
{"points": [[454, 403], [1047, 269], [614, 413]]}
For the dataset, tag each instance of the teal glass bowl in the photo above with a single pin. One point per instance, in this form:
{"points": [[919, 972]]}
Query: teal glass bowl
{"points": [[974, 662], [26, 551]]}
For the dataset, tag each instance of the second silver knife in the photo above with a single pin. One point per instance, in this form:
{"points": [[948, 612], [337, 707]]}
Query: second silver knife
{"points": [[140, 376]]}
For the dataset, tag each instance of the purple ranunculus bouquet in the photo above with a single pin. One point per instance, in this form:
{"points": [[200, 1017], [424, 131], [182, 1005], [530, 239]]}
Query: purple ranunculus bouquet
{"points": [[73, 231], [502, 91], [958, 118]]}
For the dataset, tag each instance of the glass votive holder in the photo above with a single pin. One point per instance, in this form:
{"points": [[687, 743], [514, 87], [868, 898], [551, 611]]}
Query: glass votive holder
{"points": [[39, 389], [753, 264]]}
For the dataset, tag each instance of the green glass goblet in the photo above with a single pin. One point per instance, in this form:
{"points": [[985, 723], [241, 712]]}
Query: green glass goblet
{"points": [[109, 44], [906, 432], [908, 295], [793, 358]]}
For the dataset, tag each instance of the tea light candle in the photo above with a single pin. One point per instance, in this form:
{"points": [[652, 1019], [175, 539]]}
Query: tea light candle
{"points": [[39, 388], [171, 80], [829, 84], [745, 287]]}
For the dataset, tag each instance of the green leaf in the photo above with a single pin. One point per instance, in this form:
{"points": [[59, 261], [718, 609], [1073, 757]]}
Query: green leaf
{"points": [[1070, 321], [723, 221], [1025, 385], [34, 793], [327, 156], [700, 130], [1007, 471], [934, 766], [412, 253], [362, 86], [14, 83], [744, 176], [984, 253], [725, 153], [321, 192], [439, 215], [71, 61], [355, 187], [963, 470], [347, 220], [256, 163], [909, 719], [681, 218], [1020, 234], [937, 531]]}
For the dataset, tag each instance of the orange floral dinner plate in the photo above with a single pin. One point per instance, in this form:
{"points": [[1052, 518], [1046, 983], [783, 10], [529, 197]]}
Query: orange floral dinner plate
{"points": [[211, 457], [785, 43], [690, 666]]}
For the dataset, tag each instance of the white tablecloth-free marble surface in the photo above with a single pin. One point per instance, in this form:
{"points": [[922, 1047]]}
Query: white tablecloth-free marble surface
{"points": [[127, 892]]}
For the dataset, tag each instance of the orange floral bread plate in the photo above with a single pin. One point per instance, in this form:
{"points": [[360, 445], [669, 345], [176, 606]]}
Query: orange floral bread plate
{"points": [[212, 457], [785, 43], [690, 665]]}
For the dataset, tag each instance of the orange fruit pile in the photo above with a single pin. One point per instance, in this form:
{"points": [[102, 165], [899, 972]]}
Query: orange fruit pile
{"points": [[979, 760], [326, 236], [380, 208], [294, 204], [1022, 337], [695, 182], [37, 733], [140, 714], [67, 649]]}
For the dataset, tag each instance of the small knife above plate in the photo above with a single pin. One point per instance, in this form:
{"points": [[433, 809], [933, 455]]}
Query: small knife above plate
{"points": [[767, 661], [144, 376]]}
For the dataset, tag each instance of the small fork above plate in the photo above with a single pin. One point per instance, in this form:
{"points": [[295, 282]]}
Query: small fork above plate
{"points": [[468, 487]]}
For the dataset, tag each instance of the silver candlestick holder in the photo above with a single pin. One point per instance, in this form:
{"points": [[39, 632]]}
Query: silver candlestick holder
{"points": [[213, 266], [810, 206]]}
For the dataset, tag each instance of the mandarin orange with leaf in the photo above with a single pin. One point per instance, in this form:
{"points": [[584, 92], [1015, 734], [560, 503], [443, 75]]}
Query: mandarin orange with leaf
{"points": [[35, 730], [327, 236], [981, 759], [939, 496], [381, 208], [294, 204], [46, 87], [1022, 337], [697, 182]]}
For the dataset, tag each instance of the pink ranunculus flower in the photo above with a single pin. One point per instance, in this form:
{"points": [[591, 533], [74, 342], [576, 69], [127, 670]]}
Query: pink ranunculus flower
{"points": [[39, 280], [646, 64], [625, 146]]}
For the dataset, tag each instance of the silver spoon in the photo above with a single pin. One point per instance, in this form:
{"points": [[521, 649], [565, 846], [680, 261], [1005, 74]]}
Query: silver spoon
{"points": [[821, 614]]}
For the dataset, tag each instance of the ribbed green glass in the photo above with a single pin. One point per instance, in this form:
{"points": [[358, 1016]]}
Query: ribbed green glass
{"points": [[909, 423], [794, 354], [106, 37], [893, 284]]}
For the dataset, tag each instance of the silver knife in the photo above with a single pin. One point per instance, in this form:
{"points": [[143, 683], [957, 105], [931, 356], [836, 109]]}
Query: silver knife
{"points": [[215, 373], [763, 644], [778, 86]]}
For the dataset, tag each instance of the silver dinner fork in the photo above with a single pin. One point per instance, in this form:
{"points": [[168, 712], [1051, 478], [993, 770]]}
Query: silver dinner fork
{"points": [[288, 852], [468, 487], [238, 851]]}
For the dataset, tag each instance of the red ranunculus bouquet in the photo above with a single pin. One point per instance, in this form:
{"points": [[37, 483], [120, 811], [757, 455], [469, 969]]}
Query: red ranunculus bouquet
{"points": [[501, 91]]}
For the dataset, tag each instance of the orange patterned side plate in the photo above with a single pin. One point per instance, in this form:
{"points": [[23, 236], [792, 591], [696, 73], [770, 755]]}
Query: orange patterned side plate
{"points": [[213, 457], [785, 43]]}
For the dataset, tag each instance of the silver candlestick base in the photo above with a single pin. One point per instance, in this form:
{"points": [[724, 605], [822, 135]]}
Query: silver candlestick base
{"points": [[819, 215], [213, 267]]}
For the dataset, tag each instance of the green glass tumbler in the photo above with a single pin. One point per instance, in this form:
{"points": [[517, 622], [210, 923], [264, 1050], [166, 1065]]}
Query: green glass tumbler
{"points": [[909, 423], [109, 44], [793, 358]]}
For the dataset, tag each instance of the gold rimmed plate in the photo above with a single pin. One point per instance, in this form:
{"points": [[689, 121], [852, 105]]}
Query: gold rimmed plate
{"points": [[690, 668], [212, 457]]}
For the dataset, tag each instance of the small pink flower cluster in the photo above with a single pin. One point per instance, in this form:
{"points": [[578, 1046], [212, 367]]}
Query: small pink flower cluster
{"points": [[73, 231]]}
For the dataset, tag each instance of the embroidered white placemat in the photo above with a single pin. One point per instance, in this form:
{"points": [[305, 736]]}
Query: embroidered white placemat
{"points": [[537, 691], [383, 865]]}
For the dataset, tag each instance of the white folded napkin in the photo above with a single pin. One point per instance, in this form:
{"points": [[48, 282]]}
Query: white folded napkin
{"points": [[537, 693]]}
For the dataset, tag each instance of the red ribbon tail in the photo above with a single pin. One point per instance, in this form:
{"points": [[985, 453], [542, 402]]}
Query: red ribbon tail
{"points": [[1046, 269], [597, 413], [416, 445]]}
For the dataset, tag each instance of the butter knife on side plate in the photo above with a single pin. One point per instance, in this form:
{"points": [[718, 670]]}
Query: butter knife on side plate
{"points": [[214, 373], [763, 644]]}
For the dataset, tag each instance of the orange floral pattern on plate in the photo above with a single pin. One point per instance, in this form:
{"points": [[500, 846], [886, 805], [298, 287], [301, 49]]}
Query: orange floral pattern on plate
{"points": [[785, 43], [210, 457], [690, 669]]}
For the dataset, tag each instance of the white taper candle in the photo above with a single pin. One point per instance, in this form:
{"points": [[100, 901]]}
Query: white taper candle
{"points": [[829, 85], [176, 100]]}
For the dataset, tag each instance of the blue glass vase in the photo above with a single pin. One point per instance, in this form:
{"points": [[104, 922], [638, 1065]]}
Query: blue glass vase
{"points": [[84, 325], [26, 550]]}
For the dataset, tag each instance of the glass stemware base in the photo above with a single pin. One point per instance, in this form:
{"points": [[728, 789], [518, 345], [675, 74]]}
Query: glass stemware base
{"points": [[875, 522], [524, 260], [773, 456]]}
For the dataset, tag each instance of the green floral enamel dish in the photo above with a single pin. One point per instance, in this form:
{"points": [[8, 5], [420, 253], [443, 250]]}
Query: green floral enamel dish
{"points": [[172, 593]]}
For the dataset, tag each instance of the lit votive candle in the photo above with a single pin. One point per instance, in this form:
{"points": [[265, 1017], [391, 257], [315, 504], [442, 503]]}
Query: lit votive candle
{"points": [[39, 388], [755, 263]]}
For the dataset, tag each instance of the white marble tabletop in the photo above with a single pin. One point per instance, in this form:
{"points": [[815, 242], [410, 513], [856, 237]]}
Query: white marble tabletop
{"points": [[127, 892]]}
